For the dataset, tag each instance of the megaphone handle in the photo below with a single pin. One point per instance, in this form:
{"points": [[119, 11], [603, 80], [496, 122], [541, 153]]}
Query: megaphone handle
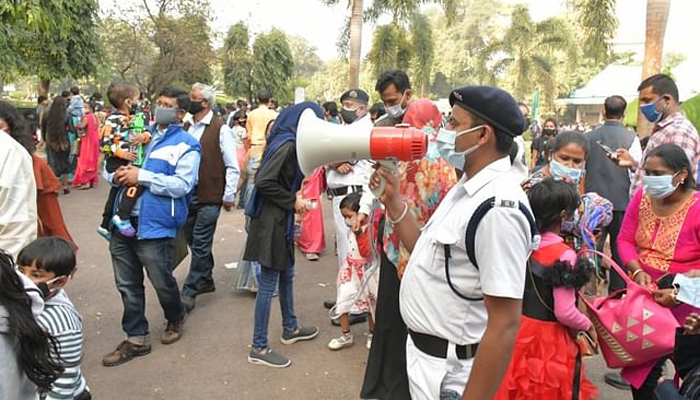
{"points": [[391, 166]]}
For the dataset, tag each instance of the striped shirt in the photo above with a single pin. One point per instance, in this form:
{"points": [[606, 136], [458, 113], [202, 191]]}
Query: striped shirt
{"points": [[62, 321], [674, 129]]}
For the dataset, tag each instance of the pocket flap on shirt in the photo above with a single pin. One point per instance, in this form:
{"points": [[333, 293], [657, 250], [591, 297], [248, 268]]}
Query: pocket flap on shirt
{"points": [[444, 236]]}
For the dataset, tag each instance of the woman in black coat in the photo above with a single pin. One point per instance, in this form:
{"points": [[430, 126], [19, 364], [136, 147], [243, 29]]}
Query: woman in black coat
{"points": [[270, 241]]}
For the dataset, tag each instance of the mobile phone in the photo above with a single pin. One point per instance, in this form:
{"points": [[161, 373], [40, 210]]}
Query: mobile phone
{"points": [[612, 154]]}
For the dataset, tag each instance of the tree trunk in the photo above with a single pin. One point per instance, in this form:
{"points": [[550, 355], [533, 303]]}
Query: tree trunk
{"points": [[44, 86], [657, 15], [355, 42]]}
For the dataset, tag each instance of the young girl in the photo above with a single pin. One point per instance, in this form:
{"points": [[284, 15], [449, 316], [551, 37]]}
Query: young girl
{"points": [[546, 361], [350, 276]]}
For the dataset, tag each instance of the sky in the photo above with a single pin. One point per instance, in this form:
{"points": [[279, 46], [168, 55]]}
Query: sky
{"points": [[321, 24]]}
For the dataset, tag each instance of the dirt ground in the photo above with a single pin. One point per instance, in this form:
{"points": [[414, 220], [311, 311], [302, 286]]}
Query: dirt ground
{"points": [[209, 362]]}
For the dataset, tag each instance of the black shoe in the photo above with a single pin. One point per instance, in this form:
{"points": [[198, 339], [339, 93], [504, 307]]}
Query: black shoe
{"points": [[354, 319], [329, 304], [616, 380], [206, 288]]}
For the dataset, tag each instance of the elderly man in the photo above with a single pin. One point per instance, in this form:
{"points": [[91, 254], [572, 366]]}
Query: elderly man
{"points": [[218, 177]]}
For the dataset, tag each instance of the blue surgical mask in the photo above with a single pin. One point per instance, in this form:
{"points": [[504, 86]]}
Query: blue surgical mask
{"points": [[446, 146], [651, 113], [659, 187], [562, 172]]}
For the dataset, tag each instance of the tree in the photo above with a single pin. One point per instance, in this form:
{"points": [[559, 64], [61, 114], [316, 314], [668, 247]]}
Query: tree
{"points": [[306, 61], [128, 51], [390, 49], [422, 39], [238, 62], [53, 39], [657, 15], [273, 64], [350, 38], [598, 22]]}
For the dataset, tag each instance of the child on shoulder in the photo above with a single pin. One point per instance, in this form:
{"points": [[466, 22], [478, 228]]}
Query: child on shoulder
{"points": [[351, 296], [49, 262]]}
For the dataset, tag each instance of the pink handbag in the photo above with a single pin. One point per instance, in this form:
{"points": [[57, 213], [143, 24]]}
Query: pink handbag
{"points": [[633, 329]]}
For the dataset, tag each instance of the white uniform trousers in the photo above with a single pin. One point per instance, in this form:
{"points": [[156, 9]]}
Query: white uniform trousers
{"points": [[429, 377]]}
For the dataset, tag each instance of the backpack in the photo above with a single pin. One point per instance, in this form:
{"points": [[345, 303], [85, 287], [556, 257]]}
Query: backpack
{"points": [[470, 241]]}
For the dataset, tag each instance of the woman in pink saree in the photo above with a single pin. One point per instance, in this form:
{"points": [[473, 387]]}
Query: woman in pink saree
{"points": [[311, 240], [86, 175]]}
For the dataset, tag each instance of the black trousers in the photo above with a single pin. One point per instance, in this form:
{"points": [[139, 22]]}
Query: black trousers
{"points": [[613, 230]]}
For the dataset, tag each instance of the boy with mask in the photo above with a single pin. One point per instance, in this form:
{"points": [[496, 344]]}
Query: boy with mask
{"points": [[122, 133], [168, 173], [49, 262]]}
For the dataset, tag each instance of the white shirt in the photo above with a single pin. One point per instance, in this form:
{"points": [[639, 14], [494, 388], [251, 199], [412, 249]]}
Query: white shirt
{"points": [[503, 242], [18, 211], [228, 151], [520, 162]]}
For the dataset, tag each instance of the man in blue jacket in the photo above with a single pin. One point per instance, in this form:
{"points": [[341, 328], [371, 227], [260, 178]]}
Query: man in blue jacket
{"points": [[169, 173]]}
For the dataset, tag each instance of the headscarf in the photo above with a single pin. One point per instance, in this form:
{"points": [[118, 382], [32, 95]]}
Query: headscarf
{"points": [[422, 111], [284, 130]]}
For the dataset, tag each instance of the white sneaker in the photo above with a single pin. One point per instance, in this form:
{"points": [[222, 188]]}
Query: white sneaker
{"points": [[341, 342], [370, 335]]}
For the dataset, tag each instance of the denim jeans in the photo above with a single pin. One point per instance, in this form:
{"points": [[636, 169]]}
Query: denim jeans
{"points": [[269, 279], [129, 258], [200, 228]]}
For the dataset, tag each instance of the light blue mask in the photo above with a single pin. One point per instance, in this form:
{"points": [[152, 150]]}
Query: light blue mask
{"points": [[446, 146], [688, 290], [659, 187], [562, 172]]}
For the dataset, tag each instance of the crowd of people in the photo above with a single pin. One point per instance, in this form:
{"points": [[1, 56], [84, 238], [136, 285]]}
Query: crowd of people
{"points": [[470, 267]]}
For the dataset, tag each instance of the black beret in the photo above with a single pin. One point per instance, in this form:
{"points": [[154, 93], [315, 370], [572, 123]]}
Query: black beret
{"points": [[357, 95], [493, 105]]}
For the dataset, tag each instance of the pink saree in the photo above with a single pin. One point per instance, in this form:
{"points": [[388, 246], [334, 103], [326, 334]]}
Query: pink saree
{"points": [[86, 171], [312, 238]]}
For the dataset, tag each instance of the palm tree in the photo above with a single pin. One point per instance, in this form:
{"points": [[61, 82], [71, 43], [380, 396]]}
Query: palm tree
{"points": [[353, 35], [657, 15]]}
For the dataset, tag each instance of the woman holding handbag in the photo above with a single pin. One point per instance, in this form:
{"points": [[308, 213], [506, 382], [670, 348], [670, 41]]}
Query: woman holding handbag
{"points": [[658, 239], [546, 361]]}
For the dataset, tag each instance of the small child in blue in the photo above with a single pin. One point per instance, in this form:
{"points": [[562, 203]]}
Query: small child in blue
{"points": [[49, 262]]}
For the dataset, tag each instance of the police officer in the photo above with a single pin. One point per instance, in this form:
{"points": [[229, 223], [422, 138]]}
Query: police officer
{"points": [[454, 308]]}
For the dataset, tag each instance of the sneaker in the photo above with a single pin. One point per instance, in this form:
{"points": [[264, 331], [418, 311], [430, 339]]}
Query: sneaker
{"points": [[370, 336], [124, 226], [302, 333], [269, 358], [188, 302], [125, 352], [105, 233], [312, 257], [341, 342], [329, 304], [173, 331]]}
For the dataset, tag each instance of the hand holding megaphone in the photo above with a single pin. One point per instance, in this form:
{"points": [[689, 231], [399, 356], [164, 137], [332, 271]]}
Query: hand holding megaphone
{"points": [[384, 182]]}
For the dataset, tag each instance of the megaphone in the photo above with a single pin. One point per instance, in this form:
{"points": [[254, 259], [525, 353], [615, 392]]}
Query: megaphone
{"points": [[320, 142]]}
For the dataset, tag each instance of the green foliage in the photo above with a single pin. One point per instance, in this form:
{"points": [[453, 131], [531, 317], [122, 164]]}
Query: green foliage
{"points": [[390, 49], [422, 41], [238, 62], [306, 61], [691, 109], [129, 54], [273, 65], [598, 22]]}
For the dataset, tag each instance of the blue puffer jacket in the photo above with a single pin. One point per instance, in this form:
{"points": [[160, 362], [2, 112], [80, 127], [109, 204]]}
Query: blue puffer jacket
{"points": [[161, 216]]}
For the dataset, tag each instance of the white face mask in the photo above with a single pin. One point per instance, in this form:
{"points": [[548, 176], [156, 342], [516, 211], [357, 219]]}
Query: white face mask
{"points": [[396, 111], [446, 146]]}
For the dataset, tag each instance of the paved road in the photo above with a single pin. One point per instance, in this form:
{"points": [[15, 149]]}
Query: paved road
{"points": [[209, 362]]}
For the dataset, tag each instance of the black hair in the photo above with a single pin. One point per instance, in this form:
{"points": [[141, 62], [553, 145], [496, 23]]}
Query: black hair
{"points": [[661, 84], [378, 108], [394, 77], [238, 114], [19, 129], [674, 158], [550, 120], [51, 253], [615, 107], [240, 103], [183, 98], [54, 124], [331, 108], [41, 99], [549, 199], [34, 346], [65, 93], [351, 202], [74, 90], [568, 137], [264, 96], [118, 92], [97, 95]]}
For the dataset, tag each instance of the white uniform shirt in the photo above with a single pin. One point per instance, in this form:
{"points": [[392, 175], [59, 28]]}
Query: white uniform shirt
{"points": [[520, 162], [503, 242], [18, 211], [228, 151]]}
